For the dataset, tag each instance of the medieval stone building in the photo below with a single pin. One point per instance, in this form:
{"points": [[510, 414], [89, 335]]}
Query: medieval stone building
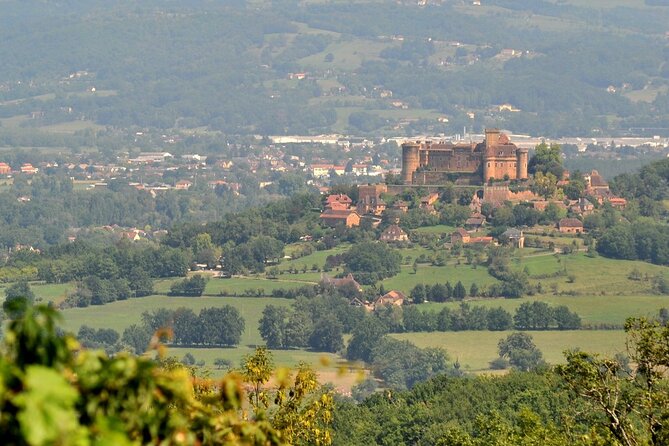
{"points": [[434, 163]]}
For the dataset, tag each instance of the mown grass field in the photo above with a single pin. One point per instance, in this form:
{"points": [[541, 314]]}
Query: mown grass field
{"points": [[591, 275], [428, 274], [44, 292], [437, 230], [119, 315], [475, 349]]}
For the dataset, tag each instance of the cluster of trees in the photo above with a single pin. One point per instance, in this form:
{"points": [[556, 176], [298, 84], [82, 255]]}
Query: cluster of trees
{"points": [[318, 323], [136, 262], [519, 351], [252, 239], [646, 241], [540, 316], [212, 326], [441, 292], [370, 262], [402, 365], [192, 286], [513, 284], [105, 339], [528, 316], [399, 363], [96, 291]]}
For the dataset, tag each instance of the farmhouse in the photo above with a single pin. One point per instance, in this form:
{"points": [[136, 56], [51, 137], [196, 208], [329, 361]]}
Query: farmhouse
{"points": [[570, 226], [347, 281], [463, 237], [338, 201], [513, 237], [475, 222], [394, 234], [336, 217], [394, 298]]}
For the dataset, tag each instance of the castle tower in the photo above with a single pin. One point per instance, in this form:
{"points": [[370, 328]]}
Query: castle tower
{"points": [[521, 156], [489, 157], [410, 161]]}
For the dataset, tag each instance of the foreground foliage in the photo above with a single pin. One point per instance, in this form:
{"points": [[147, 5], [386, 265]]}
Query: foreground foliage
{"points": [[53, 392], [589, 401]]}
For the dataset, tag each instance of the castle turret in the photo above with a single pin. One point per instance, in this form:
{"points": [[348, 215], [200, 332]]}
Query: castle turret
{"points": [[491, 140], [522, 157], [410, 161]]}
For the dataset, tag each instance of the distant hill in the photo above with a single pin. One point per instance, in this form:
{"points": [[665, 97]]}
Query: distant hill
{"points": [[250, 67]]}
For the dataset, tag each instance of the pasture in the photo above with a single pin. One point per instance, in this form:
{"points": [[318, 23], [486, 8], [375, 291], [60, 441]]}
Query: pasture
{"points": [[121, 314], [475, 349]]}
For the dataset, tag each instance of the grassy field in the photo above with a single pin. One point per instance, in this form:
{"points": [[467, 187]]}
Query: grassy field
{"points": [[346, 54], [315, 258], [119, 315], [428, 274], [238, 285], [49, 292], [597, 275], [475, 349], [438, 229]]}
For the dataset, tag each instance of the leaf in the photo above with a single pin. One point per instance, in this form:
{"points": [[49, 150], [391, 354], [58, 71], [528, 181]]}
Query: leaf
{"points": [[47, 411]]}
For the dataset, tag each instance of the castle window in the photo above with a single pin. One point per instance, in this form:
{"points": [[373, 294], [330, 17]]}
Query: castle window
{"points": [[488, 164]]}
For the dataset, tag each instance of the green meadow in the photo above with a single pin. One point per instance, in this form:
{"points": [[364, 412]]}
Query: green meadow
{"points": [[120, 314], [475, 349]]}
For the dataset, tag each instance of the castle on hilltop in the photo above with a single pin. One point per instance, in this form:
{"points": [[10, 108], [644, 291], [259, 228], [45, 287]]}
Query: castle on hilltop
{"points": [[431, 163]]}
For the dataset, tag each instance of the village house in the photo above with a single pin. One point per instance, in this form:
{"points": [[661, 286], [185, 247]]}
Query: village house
{"points": [[460, 236], [338, 202], [369, 199], [513, 237], [392, 298], [216, 183], [131, 235], [151, 157], [183, 185], [5, 169], [595, 182], [617, 202], [570, 226], [359, 169], [475, 222], [463, 237], [28, 169], [427, 203], [394, 233], [346, 217], [401, 206], [347, 281], [324, 170], [582, 206]]}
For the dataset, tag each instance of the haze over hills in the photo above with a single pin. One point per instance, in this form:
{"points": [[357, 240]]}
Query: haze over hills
{"points": [[286, 67]]}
